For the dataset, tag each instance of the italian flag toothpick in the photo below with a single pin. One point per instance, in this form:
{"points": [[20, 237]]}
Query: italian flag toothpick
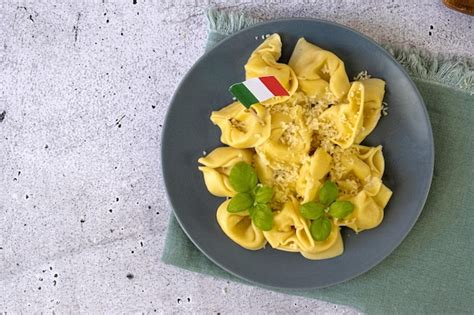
{"points": [[257, 90]]}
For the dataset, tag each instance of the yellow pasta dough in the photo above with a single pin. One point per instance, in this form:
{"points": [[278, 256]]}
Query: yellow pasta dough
{"points": [[361, 179], [291, 233], [216, 169], [297, 143], [289, 139], [368, 210], [312, 172], [374, 90], [242, 127], [347, 118], [319, 71], [264, 62], [239, 228]]}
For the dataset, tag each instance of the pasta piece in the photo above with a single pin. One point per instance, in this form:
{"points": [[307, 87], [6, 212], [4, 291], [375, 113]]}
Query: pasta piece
{"points": [[329, 248], [311, 174], [290, 139], [319, 71], [367, 166], [367, 213], [282, 177], [263, 62], [264, 173], [383, 196], [374, 90], [368, 210], [291, 233], [359, 168], [283, 153], [347, 118], [242, 127], [216, 169], [335, 250], [240, 228]]}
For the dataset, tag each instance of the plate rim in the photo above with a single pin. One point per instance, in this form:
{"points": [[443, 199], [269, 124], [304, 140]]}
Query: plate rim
{"points": [[422, 200]]}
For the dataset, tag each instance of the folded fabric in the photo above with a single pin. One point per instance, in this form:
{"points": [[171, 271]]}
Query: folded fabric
{"points": [[432, 271]]}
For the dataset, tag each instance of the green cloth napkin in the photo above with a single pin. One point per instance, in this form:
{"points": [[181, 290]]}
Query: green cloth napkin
{"points": [[432, 271]]}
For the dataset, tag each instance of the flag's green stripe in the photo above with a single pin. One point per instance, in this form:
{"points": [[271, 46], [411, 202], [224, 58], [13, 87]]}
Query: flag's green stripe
{"points": [[240, 91]]}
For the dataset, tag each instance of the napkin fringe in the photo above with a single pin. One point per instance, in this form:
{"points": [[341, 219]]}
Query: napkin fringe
{"points": [[454, 71], [228, 22]]}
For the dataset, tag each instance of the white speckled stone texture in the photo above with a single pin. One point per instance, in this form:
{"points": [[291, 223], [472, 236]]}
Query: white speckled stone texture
{"points": [[85, 86]]}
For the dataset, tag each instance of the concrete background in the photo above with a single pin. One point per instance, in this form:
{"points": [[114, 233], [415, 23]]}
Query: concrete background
{"points": [[84, 87]]}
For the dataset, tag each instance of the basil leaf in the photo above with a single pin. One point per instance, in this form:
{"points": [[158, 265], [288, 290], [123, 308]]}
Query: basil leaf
{"points": [[240, 202], [328, 193], [320, 229], [254, 190], [262, 217], [242, 177], [312, 210], [264, 194], [341, 209], [251, 211]]}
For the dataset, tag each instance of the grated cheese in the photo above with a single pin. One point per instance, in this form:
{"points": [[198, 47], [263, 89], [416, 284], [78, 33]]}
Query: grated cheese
{"points": [[384, 109], [237, 124], [363, 75]]}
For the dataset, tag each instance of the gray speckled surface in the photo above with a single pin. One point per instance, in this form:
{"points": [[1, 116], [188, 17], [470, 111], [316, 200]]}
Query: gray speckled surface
{"points": [[85, 87]]}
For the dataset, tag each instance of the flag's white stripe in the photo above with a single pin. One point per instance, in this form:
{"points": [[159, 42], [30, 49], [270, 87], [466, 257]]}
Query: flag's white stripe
{"points": [[258, 89]]}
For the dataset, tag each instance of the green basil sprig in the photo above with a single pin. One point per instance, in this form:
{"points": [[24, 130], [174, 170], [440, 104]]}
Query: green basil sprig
{"points": [[318, 212], [250, 196]]}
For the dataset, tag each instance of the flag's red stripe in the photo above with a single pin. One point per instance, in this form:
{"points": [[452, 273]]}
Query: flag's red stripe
{"points": [[274, 86]]}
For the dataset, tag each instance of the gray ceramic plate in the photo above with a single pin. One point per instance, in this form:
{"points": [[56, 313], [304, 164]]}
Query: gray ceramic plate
{"points": [[405, 135]]}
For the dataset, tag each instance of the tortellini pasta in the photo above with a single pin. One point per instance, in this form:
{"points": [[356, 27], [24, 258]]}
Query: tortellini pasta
{"points": [[319, 71], [291, 233], [242, 127], [264, 62], [289, 140], [311, 174], [216, 169], [297, 143], [374, 90], [239, 228], [362, 181], [347, 118], [364, 166], [357, 118], [368, 210]]}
